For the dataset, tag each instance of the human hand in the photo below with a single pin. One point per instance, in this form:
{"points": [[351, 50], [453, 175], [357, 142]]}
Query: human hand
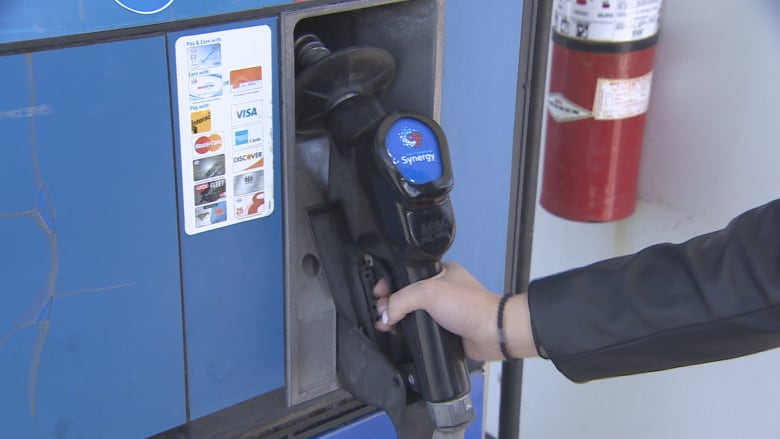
{"points": [[463, 306]]}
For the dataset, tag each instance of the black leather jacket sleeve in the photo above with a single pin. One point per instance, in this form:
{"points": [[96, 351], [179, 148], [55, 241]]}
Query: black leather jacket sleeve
{"points": [[714, 297]]}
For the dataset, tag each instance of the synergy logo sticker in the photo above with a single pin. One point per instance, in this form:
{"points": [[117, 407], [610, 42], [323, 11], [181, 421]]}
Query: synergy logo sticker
{"points": [[411, 138], [200, 121], [145, 7], [414, 149]]}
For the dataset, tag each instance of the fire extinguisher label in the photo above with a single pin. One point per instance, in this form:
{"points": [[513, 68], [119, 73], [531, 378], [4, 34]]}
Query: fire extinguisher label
{"points": [[607, 20], [621, 98], [564, 110]]}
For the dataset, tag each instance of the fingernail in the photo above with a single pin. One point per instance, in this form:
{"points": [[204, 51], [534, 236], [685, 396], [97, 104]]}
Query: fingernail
{"points": [[385, 319], [381, 307]]}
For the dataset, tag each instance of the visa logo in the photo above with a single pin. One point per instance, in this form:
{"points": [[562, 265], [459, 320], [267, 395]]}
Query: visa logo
{"points": [[248, 112]]}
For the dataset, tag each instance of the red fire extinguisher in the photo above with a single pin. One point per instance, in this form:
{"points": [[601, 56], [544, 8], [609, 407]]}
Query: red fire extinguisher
{"points": [[599, 89]]}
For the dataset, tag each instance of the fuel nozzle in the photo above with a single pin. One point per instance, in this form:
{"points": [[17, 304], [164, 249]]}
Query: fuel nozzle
{"points": [[391, 174], [408, 175]]}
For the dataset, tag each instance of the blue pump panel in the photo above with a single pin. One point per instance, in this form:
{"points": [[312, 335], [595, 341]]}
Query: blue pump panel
{"points": [[90, 309], [233, 273], [20, 21], [114, 321]]}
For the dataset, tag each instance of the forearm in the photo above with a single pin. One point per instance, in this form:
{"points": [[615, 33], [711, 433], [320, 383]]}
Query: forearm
{"points": [[714, 297]]}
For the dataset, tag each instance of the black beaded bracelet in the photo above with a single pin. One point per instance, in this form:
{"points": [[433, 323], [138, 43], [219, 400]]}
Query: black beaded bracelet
{"points": [[500, 324]]}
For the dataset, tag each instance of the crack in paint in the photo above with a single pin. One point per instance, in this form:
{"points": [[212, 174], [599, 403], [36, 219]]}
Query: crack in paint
{"points": [[43, 219], [18, 214], [45, 210], [95, 290], [40, 312]]}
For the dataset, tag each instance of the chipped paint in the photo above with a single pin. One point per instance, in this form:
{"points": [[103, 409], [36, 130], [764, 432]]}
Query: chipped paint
{"points": [[31, 111]]}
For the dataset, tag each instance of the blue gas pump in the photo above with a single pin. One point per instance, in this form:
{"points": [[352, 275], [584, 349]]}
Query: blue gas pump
{"points": [[157, 275]]}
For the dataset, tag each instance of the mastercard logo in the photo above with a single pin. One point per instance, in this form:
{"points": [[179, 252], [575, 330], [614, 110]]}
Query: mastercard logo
{"points": [[207, 144]]}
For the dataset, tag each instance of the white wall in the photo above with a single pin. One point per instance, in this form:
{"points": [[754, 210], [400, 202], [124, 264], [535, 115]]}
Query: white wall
{"points": [[712, 150]]}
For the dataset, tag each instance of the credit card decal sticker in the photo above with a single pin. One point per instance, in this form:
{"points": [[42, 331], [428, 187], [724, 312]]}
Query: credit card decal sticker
{"points": [[246, 79], [207, 143], [247, 183], [247, 136], [200, 121], [250, 205], [208, 167], [248, 160], [210, 214], [248, 112], [226, 139], [209, 191], [205, 86], [205, 56]]}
